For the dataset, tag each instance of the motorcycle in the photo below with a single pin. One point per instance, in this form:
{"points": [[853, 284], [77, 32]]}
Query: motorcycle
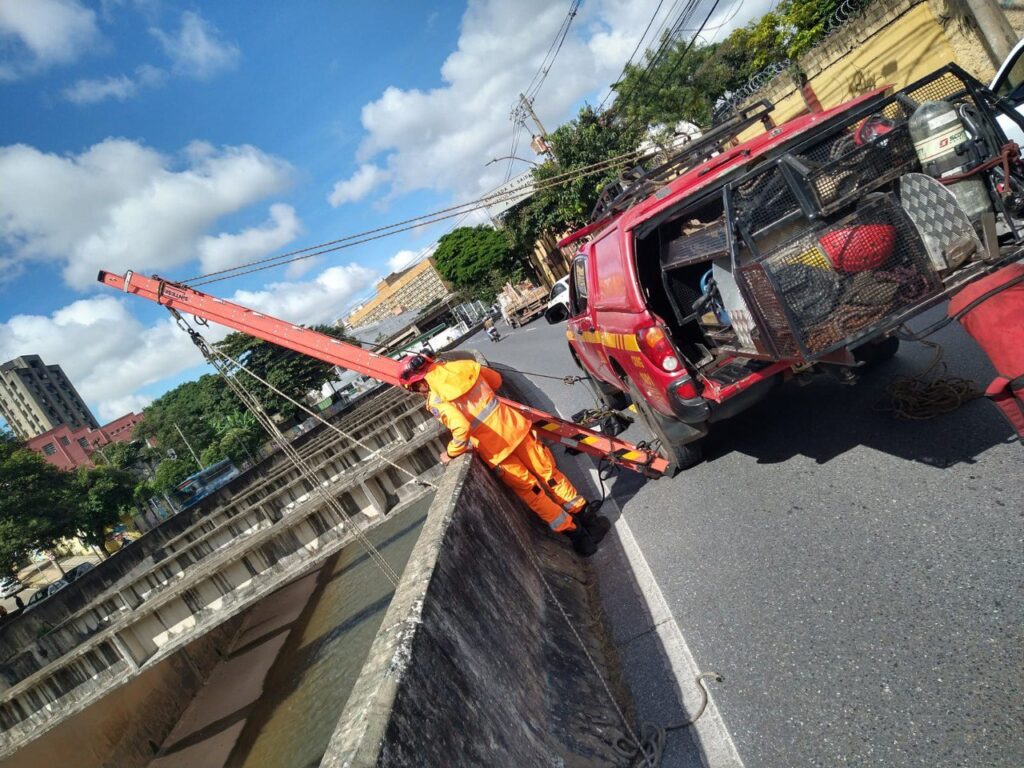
{"points": [[492, 334]]}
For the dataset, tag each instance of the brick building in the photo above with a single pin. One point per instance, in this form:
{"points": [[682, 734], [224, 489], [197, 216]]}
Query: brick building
{"points": [[68, 448], [413, 288], [36, 398]]}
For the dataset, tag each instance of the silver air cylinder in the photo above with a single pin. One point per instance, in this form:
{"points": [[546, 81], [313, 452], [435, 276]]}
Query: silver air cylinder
{"points": [[937, 133]]}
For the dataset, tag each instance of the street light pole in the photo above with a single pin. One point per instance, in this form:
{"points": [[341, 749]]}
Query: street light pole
{"points": [[188, 445], [510, 157]]}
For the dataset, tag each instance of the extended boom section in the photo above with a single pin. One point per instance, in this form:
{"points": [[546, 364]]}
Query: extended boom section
{"points": [[336, 352]]}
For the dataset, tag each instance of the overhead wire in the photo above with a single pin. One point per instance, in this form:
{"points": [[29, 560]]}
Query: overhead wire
{"points": [[252, 403], [388, 230], [629, 61]]}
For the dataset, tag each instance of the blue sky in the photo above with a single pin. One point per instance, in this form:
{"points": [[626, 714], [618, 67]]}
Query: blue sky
{"points": [[177, 138]]}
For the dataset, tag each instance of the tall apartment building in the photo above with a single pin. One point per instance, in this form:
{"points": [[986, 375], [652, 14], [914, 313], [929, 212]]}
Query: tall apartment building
{"points": [[35, 398], [412, 288]]}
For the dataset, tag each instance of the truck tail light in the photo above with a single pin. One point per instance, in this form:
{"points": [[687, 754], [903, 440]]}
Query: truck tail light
{"points": [[656, 347]]}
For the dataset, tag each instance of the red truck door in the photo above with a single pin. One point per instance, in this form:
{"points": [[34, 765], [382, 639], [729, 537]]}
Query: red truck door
{"points": [[581, 322]]}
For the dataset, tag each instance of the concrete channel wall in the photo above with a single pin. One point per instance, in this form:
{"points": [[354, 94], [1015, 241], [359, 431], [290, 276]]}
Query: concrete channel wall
{"points": [[475, 664], [204, 567]]}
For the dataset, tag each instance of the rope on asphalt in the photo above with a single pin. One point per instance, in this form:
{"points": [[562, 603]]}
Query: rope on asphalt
{"points": [[917, 398], [650, 747]]}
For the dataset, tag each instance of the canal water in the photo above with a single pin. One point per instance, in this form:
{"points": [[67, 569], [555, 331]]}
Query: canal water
{"points": [[276, 699]]}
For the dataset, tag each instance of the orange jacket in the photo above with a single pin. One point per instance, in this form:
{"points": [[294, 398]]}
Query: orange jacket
{"points": [[462, 397]]}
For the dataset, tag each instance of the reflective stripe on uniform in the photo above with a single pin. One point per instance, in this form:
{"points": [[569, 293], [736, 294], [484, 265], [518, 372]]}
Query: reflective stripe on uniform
{"points": [[572, 503], [460, 443], [559, 521], [481, 417]]}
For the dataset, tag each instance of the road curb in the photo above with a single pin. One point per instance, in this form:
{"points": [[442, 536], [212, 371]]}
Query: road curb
{"points": [[709, 732]]}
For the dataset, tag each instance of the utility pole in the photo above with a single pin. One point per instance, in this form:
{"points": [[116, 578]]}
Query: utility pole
{"points": [[545, 146], [996, 33], [187, 445]]}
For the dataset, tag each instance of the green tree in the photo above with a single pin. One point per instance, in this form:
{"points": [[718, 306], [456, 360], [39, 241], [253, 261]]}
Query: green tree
{"points": [[192, 407], [169, 473], [36, 506], [474, 258], [119, 455], [686, 82], [293, 373], [587, 139], [102, 496]]}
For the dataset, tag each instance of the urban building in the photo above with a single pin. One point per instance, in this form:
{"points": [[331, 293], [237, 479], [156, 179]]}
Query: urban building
{"points": [[36, 398], [68, 448], [412, 288]]}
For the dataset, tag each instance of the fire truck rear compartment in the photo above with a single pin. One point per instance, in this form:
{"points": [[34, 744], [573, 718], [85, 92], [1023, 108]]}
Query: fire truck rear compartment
{"points": [[827, 243]]}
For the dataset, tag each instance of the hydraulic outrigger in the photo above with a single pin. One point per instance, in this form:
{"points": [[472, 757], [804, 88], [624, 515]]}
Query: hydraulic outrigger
{"points": [[336, 352]]}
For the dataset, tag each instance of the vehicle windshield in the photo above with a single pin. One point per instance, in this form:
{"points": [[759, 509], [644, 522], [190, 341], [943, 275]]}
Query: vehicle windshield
{"points": [[557, 289]]}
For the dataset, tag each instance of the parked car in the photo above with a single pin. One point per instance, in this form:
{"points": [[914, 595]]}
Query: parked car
{"points": [[706, 284], [45, 592], [558, 302], [79, 570], [10, 586]]}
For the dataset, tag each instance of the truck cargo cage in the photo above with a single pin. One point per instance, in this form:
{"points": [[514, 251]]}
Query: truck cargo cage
{"points": [[824, 251]]}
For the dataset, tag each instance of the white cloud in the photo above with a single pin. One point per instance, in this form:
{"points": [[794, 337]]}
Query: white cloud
{"points": [[121, 205], [358, 186], [320, 300], [441, 138], [229, 250], [118, 88], [35, 34], [406, 258], [105, 351], [197, 49], [110, 355]]}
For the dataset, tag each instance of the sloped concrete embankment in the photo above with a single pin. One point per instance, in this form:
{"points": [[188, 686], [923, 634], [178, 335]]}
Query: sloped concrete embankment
{"points": [[475, 664]]}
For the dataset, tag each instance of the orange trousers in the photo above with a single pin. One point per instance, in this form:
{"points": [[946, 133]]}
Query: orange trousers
{"points": [[531, 472]]}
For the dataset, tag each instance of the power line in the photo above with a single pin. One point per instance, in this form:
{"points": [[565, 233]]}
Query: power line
{"points": [[633, 54], [388, 230]]}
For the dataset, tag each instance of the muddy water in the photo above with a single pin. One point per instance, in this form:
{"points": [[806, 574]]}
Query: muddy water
{"points": [[306, 689]]}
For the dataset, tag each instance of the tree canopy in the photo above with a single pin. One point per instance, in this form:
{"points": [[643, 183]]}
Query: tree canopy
{"points": [[293, 373], [40, 504], [477, 260], [686, 81], [102, 496], [36, 504]]}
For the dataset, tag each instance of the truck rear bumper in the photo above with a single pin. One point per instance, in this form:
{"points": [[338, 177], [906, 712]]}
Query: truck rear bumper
{"points": [[692, 410]]}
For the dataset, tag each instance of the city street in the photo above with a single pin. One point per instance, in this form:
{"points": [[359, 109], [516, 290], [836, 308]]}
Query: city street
{"points": [[855, 579]]}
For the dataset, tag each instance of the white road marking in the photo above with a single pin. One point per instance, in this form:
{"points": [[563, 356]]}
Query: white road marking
{"points": [[717, 747]]}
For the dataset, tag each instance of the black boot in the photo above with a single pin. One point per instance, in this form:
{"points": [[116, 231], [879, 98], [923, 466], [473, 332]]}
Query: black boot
{"points": [[581, 541], [597, 525]]}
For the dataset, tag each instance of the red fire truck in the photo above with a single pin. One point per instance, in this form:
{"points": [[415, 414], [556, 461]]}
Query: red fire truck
{"points": [[705, 283]]}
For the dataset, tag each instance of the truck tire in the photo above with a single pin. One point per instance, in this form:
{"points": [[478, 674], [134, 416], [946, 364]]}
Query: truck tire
{"points": [[876, 352], [680, 443], [605, 395]]}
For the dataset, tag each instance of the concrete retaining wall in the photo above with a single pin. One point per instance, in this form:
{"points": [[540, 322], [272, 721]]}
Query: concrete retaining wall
{"points": [[474, 664]]}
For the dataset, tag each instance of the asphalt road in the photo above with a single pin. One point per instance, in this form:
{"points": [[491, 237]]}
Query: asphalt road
{"points": [[856, 579]]}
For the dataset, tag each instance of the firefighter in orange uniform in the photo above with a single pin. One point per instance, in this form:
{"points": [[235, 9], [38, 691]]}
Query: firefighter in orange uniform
{"points": [[461, 394]]}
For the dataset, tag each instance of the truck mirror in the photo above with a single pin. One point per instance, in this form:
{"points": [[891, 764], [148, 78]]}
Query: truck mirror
{"points": [[556, 314]]}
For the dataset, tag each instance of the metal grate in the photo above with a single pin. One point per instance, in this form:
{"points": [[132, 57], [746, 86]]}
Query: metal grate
{"points": [[840, 282], [862, 169], [762, 200], [696, 246], [767, 303]]}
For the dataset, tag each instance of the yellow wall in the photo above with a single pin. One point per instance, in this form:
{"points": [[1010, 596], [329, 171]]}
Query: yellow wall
{"points": [[893, 43]]}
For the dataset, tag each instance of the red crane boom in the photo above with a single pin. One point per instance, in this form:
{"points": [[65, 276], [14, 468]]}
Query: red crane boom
{"points": [[337, 352]]}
